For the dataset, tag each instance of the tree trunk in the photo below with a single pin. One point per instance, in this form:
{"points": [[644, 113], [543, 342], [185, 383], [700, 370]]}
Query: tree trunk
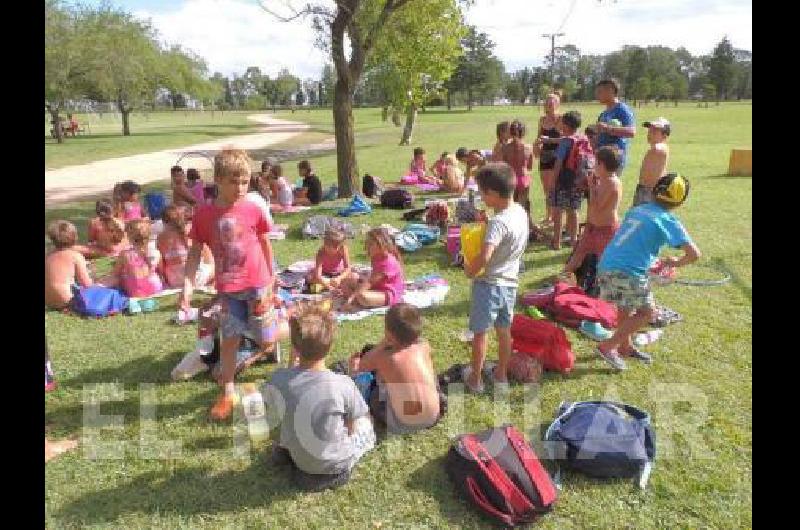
{"points": [[469, 98], [126, 126], [411, 120], [59, 132], [449, 105], [346, 166]]}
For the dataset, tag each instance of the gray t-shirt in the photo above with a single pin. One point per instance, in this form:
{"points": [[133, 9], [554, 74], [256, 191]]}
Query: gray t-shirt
{"points": [[312, 407], [508, 232]]}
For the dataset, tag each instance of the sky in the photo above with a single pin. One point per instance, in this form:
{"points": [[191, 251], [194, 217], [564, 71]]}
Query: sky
{"points": [[234, 34]]}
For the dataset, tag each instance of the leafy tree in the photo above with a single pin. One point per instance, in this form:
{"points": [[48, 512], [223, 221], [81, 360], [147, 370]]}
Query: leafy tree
{"points": [[640, 89], [722, 68], [680, 87], [477, 67]]}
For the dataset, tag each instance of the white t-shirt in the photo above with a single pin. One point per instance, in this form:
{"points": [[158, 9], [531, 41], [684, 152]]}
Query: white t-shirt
{"points": [[258, 200], [508, 232], [285, 195]]}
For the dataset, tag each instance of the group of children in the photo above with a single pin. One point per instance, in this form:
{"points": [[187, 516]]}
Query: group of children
{"points": [[445, 173]]}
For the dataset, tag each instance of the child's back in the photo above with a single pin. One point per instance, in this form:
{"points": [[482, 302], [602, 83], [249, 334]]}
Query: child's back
{"points": [[62, 269]]}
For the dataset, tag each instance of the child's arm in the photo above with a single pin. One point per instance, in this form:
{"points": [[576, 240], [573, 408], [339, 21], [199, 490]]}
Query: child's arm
{"points": [[690, 254], [346, 272], [192, 262], [266, 249], [82, 271], [473, 268]]}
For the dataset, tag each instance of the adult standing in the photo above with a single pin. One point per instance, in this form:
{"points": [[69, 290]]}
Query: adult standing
{"points": [[545, 148], [616, 124]]}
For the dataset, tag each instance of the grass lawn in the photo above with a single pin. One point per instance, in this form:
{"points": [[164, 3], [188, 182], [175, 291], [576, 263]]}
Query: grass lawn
{"points": [[699, 389]]}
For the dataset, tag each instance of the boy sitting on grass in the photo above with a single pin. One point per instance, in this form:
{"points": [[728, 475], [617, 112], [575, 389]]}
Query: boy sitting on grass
{"points": [[654, 164], [64, 267], [602, 218], [622, 271], [325, 425], [495, 272], [405, 374]]}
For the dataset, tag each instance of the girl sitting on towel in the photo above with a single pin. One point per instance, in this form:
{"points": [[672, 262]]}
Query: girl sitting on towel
{"points": [[332, 261], [385, 286], [135, 269]]}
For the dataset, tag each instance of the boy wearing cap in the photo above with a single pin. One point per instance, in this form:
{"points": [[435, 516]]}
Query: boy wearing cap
{"points": [[622, 271], [654, 164]]}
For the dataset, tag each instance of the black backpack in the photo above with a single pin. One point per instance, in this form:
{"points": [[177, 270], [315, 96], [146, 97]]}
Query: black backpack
{"points": [[497, 471], [397, 198], [586, 274], [370, 186]]}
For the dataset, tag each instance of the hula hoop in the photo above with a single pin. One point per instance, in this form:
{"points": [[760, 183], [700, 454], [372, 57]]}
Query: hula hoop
{"points": [[704, 283], [198, 154]]}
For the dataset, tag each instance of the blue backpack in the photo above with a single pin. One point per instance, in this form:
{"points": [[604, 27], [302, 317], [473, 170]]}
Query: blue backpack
{"points": [[98, 301], [155, 202], [602, 439], [358, 206]]}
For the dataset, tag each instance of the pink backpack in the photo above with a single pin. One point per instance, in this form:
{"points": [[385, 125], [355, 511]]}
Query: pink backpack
{"points": [[569, 305], [544, 341]]}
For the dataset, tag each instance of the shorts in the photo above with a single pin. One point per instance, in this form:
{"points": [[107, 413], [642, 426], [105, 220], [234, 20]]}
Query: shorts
{"points": [[363, 438], [547, 160], [236, 311], [642, 195], [624, 290], [492, 305], [565, 198], [594, 240]]}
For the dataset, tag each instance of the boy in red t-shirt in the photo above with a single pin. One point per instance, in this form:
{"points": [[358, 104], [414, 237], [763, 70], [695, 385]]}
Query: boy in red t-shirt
{"points": [[236, 230]]}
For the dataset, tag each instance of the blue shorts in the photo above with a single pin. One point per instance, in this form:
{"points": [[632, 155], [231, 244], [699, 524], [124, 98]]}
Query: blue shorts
{"points": [[236, 308], [492, 305]]}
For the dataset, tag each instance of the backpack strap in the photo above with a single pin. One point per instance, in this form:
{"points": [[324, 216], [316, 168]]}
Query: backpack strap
{"points": [[517, 503], [539, 476], [480, 499]]}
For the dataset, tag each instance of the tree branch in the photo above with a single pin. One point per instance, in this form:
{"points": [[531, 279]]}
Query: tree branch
{"points": [[309, 9]]}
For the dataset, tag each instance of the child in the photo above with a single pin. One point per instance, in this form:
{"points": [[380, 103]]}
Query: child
{"points": [[332, 261], [386, 284], [520, 157], [127, 206], [440, 167], [173, 245], [196, 185], [181, 194], [566, 196], [503, 136], [136, 268], [494, 291], [419, 167], [237, 233], [106, 233], [654, 164], [311, 191], [63, 267], [473, 160], [622, 271], [259, 194], [279, 187], [408, 397], [547, 141], [602, 217], [325, 425], [453, 180]]}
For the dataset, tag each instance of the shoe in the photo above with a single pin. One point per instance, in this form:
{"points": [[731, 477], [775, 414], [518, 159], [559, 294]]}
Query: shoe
{"points": [[149, 305], [465, 373], [134, 307], [594, 331], [646, 358], [191, 365], [223, 407], [612, 358]]}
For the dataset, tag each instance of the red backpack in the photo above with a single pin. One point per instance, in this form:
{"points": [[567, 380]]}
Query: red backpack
{"points": [[498, 472], [580, 161], [544, 341], [569, 305]]}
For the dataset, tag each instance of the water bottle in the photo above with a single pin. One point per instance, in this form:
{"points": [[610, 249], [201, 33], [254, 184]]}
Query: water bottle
{"points": [[255, 412]]}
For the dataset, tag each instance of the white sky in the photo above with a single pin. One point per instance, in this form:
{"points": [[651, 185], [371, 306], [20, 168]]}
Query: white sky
{"points": [[235, 34]]}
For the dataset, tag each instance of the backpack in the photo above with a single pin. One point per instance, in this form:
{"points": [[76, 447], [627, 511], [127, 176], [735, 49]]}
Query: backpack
{"points": [[370, 186], [569, 305], [602, 439], [98, 301], [579, 164], [544, 341], [155, 203], [357, 206], [497, 471], [397, 198]]}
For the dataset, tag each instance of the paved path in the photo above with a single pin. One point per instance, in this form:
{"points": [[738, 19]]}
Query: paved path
{"points": [[72, 182]]}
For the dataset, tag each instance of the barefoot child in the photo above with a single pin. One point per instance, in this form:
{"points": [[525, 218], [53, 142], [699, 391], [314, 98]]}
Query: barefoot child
{"points": [[173, 245], [386, 283], [622, 271], [602, 218], [440, 166], [494, 291], [519, 156], [65, 267], [566, 196], [654, 164], [136, 268], [181, 194], [408, 398], [453, 180], [237, 233], [127, 205], [503, 136], [280, 190], [106, 232], [325, 425], [196, 185], [332, 261]]}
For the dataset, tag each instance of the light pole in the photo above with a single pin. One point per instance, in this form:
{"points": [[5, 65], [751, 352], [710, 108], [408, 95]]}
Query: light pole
{"points": [[552, 37]]}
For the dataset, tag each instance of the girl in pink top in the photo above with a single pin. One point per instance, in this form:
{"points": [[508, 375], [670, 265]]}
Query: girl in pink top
{"points": [[196, 185], [332, 262], [173, 245], [386, 284], [419, 168], [135, 269], [126, 201]]}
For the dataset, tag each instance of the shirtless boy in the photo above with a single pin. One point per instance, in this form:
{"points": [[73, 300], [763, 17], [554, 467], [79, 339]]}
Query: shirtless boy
{"points": [[64, 267], [407, 385], [654, 165]]}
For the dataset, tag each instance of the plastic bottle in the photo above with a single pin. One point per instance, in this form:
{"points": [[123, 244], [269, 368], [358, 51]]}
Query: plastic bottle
{"points": [[255, 412]]}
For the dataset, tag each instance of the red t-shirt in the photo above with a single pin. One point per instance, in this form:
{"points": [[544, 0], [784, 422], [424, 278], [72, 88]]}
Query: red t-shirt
{"points": [[232, 235]]}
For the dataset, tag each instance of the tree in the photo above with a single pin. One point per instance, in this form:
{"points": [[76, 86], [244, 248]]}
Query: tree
{"points": [[514, 90], [680, 87], [183, 72], [722, 68], [125, 63], [569, 87], [709, 93], [327, 84], [565, 64], [526, 81], [476, 65], [310, 88], [640, 89], [286, 85], [660, 88]]}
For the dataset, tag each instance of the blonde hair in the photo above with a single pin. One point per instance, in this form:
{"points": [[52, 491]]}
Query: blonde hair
{"points": [[332, 235], [138, 231], [312, 328], [63, 234], [231, 162]]}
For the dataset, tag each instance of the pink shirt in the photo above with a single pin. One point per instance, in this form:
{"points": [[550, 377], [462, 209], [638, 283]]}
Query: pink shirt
{"points": [[417, 168], [231, 233], [138, 277], [332, 264], [131, 211], [393, 282], [197, 192], [173, 258]]}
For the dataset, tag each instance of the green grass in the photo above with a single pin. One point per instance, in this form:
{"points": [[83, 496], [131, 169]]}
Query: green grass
{"points": [[402, 483]]}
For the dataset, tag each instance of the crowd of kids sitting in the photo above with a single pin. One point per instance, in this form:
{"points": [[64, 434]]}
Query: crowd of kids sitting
{"points": [[223, 237]]}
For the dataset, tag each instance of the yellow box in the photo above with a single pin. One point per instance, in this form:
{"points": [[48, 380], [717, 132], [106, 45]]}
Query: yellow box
{"points": [[741, 162]]}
